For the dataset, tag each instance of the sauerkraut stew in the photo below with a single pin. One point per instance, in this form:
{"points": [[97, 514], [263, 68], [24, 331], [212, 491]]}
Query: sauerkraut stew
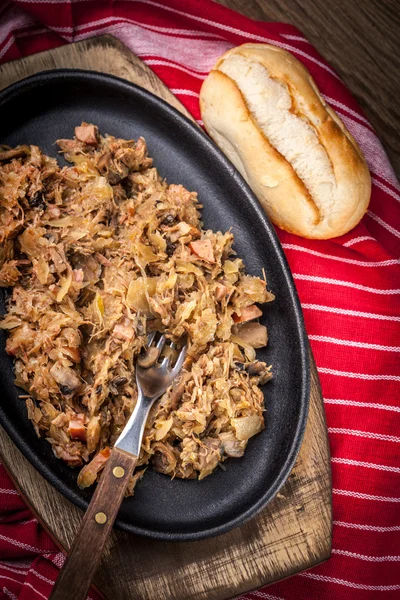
{"points": [[98, 254]]}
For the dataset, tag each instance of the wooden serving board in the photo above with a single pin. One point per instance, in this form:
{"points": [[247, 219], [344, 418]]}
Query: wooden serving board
{"points": [[292, 534]]}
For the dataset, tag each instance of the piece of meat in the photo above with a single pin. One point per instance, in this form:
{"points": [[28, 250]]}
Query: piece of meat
{"points": [[36, 156], [253, 334], [164, 460], [77, 429], [220, 292], [70, 146], [247, 314], [232, 446], [123, 332], [113, 169], [182, 229], [178, 388], [103, 260], [66, 378], [104, 161], [87, 133], [203, 249], [135, 158], [88, 474], [72, 460], [9, 274], [53, 211], [149, 358], [259, 371], [119, 193], [34, 414], [19, 339], [58, 261], [78, 275], [117, 171], [14, 153]]}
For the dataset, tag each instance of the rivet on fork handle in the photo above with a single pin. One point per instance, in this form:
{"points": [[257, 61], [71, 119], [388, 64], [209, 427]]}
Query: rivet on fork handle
{"points": [[100, 518], [118, 472]]}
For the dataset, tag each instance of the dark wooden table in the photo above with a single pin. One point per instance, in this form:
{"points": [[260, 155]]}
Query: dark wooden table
{"points": [[360, 40]]}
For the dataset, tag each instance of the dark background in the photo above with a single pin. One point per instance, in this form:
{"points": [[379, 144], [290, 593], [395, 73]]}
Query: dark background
{"points": [[360, 39]]}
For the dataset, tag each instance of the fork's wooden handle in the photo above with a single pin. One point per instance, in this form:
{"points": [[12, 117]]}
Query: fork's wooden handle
{"points": [[81, 563]]}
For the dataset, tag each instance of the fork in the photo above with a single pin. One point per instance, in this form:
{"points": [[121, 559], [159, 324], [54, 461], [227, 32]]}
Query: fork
{"points": [[85, 554]]}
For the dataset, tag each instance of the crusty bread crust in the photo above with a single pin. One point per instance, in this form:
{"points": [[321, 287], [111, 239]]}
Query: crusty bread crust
{"points": [[281, 191]]}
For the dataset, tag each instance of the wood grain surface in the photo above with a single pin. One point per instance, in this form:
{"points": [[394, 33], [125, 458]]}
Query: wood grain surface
{"points": [[86, 551], [360, 40], [292, 534]]}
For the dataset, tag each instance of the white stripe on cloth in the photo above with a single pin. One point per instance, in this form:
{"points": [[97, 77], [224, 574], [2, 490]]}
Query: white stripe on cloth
{"points": [[388, 558], [351, 313], [362, 238], [20, 544], [57, 559], [357, 404], [362, 527], [362, 496], [32, 571], [16, 19], [25, 583], [384, 187], [167, 63], [42, 577], [117, 19], [260, 594], [367, 434], [367, 465], [241, 32], [178, 92], [366, 345], [362, 404], [7, 46], [11, 492], [352, 112], [9, 594], [19, 571], [348, 284], [198, 54], [171, 30], [297, 38], [351, 584], [368, 376], [351, 261], [383, 223]]}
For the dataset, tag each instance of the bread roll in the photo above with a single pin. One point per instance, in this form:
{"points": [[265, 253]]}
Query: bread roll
{"points": [[263, 109]]}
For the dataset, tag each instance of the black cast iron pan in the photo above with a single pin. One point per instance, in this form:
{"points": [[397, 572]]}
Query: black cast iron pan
{"points": [[47, 106]]}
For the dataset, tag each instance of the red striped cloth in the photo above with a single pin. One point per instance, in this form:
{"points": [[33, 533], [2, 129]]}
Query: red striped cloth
{"points": [[349, 289]]}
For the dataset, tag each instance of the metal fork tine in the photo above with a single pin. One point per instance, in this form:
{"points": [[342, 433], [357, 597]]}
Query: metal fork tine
{"points": [[152, 382], [151, 337], [167, 359], [160, 343], [179, 362]]}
